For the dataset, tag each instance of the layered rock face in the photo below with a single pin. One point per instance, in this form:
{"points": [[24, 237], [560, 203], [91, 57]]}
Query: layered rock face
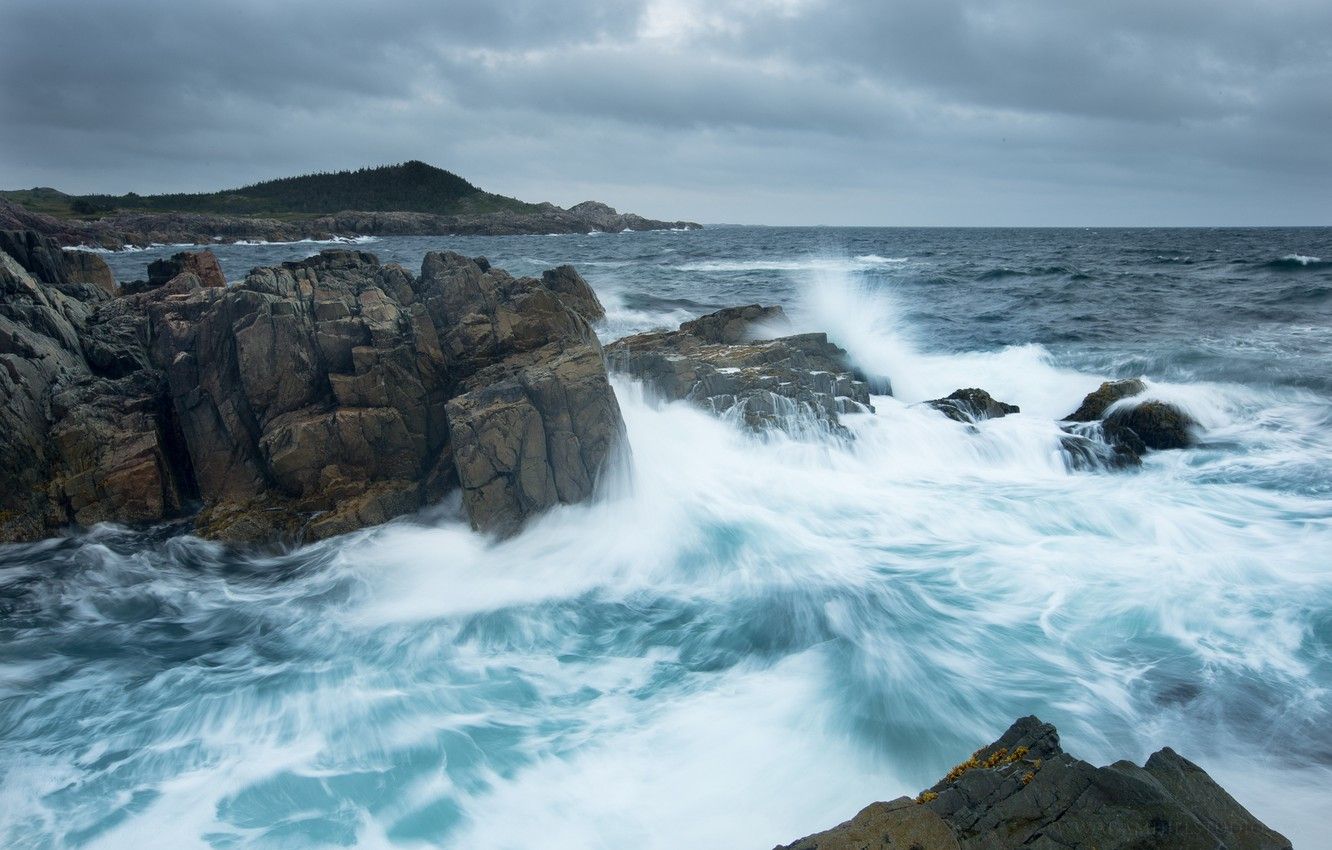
{"points": [[308, 400], [1025, 791], [716, 362]]}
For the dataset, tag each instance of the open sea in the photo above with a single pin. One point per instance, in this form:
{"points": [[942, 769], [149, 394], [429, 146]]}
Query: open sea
{"points": [[756, 635]]}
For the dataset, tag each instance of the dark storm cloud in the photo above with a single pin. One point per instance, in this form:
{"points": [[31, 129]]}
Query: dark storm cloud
{"points": [[913, 111]]}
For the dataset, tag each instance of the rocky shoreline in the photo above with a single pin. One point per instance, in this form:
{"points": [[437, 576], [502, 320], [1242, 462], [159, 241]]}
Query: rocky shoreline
{"points": [[322, 396], [1023, 790], [308, 400], [140, 229]]}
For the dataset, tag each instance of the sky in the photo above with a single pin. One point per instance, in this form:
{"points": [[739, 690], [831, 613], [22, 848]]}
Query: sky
{"points": [[844, 112]]}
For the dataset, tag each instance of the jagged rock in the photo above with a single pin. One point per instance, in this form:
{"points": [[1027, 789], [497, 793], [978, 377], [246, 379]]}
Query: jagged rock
{"points": [[536, 421], [972, 405], [39, 354], [734, 325], [1025, 791], [114, 458], [307, 400], [201, 264], [788, 382], [1096, 403], [86, 267], [566, 282], [38, 255], [1157, 424], [900, 823]]}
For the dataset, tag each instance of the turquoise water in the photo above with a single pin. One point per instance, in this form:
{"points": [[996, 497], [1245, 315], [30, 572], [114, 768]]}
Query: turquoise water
{"points": [[748, 638]]}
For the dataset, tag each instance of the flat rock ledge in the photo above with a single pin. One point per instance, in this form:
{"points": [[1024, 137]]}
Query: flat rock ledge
{"points": [[1025, 791], [308, 400], [722, 363]]}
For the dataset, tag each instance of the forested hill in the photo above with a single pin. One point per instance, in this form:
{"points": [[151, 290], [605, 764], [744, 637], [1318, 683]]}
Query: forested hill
{"points": [[410, 187]]}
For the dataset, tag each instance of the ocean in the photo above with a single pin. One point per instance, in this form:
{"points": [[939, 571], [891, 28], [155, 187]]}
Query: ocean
{"points": [[751, 636]]}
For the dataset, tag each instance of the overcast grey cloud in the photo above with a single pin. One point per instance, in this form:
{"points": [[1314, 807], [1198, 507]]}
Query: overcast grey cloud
{"points": [[761, 111]]}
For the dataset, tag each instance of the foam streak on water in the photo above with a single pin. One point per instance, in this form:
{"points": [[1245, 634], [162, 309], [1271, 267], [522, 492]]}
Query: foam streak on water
{"points": [[747, 639]]}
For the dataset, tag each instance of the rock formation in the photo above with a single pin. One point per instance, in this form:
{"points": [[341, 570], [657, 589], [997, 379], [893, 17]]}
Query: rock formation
{"points": [[308, 400], [972, 405], [1105, 432], [1025, 791], [790, 382]]}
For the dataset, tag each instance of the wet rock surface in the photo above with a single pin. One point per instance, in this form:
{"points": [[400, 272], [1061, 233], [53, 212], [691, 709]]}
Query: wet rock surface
{"points": [[791, 382], [308, 400], [1023, 790], [1108, 431], [972, 405]]}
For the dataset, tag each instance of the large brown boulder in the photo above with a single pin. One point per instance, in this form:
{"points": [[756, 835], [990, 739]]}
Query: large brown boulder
{"points": [[201, 264], [791, 382], [308, 400], [1025, 791], [1103, 433], [1098, 401], [87, 267], [1157, 424]]}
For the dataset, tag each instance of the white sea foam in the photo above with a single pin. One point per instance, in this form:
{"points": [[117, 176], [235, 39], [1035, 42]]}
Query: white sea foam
{"points": [[742, 642], [332, 240]]}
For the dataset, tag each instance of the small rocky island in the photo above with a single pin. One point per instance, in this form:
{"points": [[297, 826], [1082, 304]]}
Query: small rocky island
{"points": [[410, 199], [1023, 790]]}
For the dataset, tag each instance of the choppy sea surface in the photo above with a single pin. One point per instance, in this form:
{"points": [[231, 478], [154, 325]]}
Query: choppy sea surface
{"points": [[748, 638]]}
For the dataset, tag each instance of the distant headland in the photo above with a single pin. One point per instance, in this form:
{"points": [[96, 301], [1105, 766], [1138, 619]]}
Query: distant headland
{"points": [[412, 198]]}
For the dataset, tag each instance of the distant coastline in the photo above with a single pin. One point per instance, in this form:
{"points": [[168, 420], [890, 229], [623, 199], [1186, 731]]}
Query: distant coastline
{"points": [[411, 199]]}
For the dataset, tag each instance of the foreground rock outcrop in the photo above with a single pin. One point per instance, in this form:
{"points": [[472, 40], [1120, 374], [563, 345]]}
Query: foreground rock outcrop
{"points": [[719, 362], [307, 400], [1025, 791], [131, 228]]}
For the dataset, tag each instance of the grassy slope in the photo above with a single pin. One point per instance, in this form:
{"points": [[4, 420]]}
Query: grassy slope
{"points": [[412, 186]]}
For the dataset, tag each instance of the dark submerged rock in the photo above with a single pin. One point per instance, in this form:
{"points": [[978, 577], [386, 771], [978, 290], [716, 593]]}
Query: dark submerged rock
{"points": [[972, 405], [1157, 424], [1105, 434], [1025, 791], [789, 382]]}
